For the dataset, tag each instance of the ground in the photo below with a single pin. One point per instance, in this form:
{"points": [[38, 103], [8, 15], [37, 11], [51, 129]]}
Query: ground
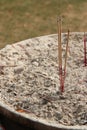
{"points": [[20, 19]]}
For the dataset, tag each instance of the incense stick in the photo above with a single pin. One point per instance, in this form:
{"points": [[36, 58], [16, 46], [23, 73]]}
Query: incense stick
{"points": [[85, 58], [66, 54], [60, 55]]}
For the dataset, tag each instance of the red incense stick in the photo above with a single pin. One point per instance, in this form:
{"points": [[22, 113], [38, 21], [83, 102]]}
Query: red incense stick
{"points": [[61, 80], [85, 59]]}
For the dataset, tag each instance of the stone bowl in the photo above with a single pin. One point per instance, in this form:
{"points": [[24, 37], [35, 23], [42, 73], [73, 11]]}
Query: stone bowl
{"points": [[31, 122]]}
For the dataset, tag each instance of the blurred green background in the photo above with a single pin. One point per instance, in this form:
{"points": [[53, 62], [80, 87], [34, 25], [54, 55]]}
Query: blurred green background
{"points": [[23, 19]]}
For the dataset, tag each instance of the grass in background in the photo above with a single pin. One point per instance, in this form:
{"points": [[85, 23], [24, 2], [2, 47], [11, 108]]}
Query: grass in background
{"points": [[23, 19]]}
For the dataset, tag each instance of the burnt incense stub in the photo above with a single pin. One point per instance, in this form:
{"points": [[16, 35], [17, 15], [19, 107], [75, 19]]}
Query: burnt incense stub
{"points": [[29, 80]]}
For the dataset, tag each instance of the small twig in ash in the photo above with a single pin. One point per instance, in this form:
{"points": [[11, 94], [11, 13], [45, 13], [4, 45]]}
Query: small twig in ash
{"points": [[45, 97], [2, 68], [22, 110]]}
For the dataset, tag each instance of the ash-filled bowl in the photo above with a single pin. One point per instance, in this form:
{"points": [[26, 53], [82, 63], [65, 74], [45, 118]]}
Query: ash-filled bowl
{"points": [[30, 88]]}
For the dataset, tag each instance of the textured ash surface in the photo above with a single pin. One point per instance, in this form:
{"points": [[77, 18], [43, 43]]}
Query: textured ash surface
{"points": [[29, 79]]}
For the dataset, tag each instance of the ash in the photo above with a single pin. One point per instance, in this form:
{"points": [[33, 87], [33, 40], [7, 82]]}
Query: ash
{"points": [[29, 79]]}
